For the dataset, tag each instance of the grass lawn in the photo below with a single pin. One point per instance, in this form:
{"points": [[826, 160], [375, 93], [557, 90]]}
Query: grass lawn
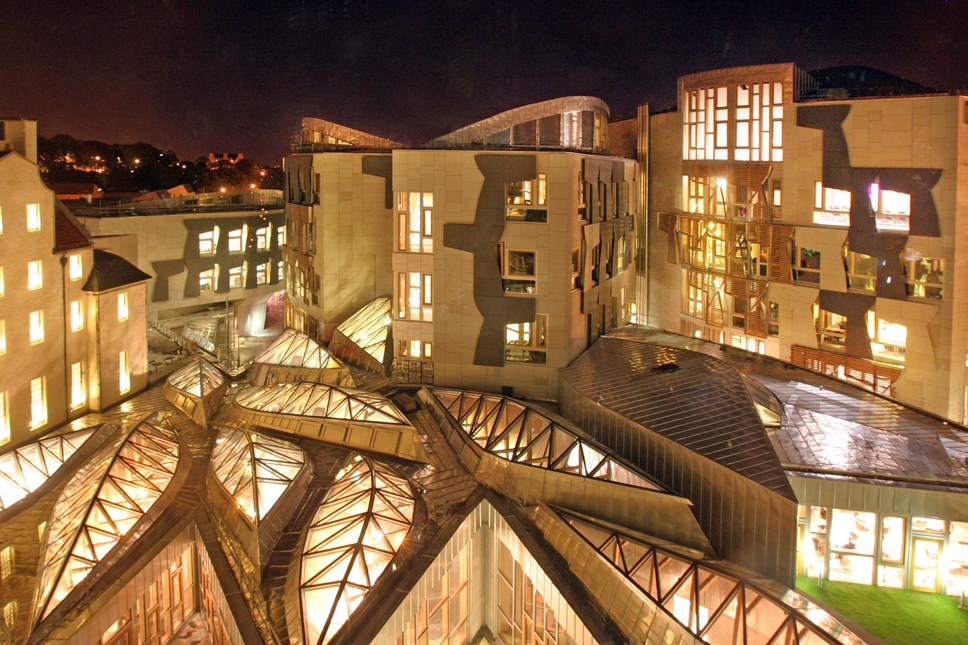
{"points": [[899, 617]]}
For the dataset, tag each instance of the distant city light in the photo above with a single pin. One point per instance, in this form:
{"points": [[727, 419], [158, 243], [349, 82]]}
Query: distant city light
{"points": [[251, 185], [222, 189], [137, 161]]}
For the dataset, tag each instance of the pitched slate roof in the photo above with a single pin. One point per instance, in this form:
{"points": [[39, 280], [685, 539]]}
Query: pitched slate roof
{"points": [[111, 271]]}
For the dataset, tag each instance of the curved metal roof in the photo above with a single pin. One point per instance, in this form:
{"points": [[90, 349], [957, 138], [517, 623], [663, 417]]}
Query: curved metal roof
{"points": [[483, 131]]}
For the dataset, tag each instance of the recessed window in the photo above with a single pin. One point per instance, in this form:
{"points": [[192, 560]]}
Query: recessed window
{"points": [[888, 339], [415, 296], [35, 275], [75, 268], [262, 273], [526, 342], [78, 398], [262, 237], [519, 272], [208, 242], [415, 222], [832, 206], [281, 236], [892, 210], [237, 240], [124, 376], [77, 315], [6, 564], [38, 402], [122, 307], [415, 349], [33, 217], [527, 201], [36, 327], [236, 277], [924, 276], [208, 279], [861, 270]]}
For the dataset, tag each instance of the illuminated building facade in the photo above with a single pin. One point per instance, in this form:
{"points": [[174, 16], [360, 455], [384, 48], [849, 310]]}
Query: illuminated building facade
{"points": [[72, 316], [815, 224], [506, 247]]}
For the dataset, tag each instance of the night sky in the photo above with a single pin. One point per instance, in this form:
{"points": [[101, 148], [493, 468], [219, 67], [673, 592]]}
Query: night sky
{"points": [[195, 76]]}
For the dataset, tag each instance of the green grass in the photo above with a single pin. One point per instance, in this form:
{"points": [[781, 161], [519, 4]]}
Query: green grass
{"points": [[899, 617]]}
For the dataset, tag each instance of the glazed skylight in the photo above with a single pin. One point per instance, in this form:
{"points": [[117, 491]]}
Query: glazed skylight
{"points": [[368, 328], [354, 535], [517, 433], [198, 378], [256, 470], [25, 469], [103, 501], [314, 400], [709, 603], [296, 349]]}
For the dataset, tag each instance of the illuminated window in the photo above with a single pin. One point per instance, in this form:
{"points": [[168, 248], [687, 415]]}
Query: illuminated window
{"points": [[757, 260], [832, 206], [208, 279], [6, 564], [519, 271], [415, 296], [35, 275], [526, 342], [236, 277], [3, 337], [208, 242], [892, 210], [1, 219], [33, 217], [36, 327], [924, 276], [415, 349], [10, 613], [571, 129], [281, 236], [4, 418], [78, 398], [124, 376], [1, 281], [38, 402], [122, 307], [237, 240], [861, 270], [415, 222], [280, 274], [759, 122], [888, 340], [77, 315], [831, 327], [262, 237], [75, 268], [262, 273], [806, 265], [527, 201]]}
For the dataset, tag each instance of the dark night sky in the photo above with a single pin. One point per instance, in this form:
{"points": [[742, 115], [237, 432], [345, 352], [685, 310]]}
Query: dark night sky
{"points": [[197, 76]]}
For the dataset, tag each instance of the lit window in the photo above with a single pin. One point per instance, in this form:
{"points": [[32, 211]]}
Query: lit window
{"points": [[759, 122], [888, 340], [415, 296], [236, 277], [124, 376], [832, 206], [525, 342], [261, 273], [281, 236], [924, 276], [75, 269], [519, 272], [208, 242], [861, 270], [4, 419], [35, 275], [38, 403], [262, 236], [415, 349], [77, 315], [527, 201], [415, 222], [831, 327], [208, 279], [892, 210], [33, 217], [6, 565], [1, 281], [122, 307], [77, 386], [36, 327], [237, 240], [10, 613], [280, 271], [3, 336], [1, 221]]}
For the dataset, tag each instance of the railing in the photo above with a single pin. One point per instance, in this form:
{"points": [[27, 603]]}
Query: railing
{"points": [[860, 371], [246, 200]]}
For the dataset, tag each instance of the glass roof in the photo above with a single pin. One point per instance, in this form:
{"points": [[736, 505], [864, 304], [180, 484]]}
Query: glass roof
{"points": [[256, 470], [315, 400], [517, 433], [710, 603], [296, 349], [354, 535], [102, 502], [25, 469], [368, 328], [198, 378]]}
